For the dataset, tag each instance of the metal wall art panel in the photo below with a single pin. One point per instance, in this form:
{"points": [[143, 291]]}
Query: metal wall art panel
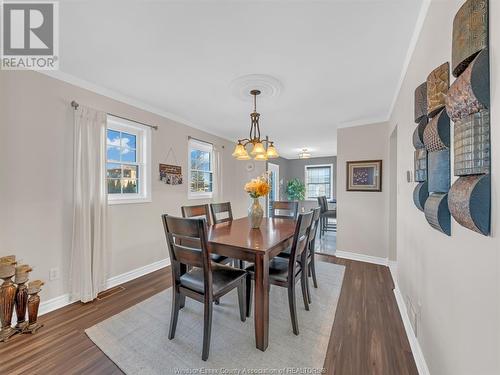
{"points": [[469, 202], [420, 102], [437, 213], [420, 161], [470, 33], [438, 171], [437, 132], [438, 83], [418, 134], [471, 91], [472, 144], [420, 195]]}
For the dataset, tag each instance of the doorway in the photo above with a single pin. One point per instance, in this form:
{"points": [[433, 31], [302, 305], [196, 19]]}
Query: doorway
{"points": [[274, 178]]}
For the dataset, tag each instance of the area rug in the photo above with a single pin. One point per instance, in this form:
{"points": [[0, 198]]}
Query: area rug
{"points": [[136, 339]]}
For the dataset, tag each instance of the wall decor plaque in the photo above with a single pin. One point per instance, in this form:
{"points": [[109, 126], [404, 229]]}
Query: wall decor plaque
{"points": [[420, 161], [471, 90], [170, 174], [470, 33], [364, 175], [437, 132], [438, 83], [418, 134], [469, 202], [420, 195], [472, 144], [437, 213], [420, 107], [438, 171]]}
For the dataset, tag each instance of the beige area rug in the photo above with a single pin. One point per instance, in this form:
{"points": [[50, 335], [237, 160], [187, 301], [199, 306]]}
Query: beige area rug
{"points": [[136, 339]]}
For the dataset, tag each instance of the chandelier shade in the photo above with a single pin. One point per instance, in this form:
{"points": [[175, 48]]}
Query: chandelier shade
{"points": [[258, 150]]}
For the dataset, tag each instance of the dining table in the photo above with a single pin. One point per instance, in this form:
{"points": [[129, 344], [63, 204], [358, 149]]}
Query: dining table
{"points": [[236, 239]]}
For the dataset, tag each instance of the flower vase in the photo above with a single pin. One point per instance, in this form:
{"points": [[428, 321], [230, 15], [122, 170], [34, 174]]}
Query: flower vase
{"points": [[255, 214]]}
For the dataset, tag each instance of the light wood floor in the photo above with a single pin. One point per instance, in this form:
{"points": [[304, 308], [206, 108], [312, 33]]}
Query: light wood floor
{"points": [[367, 337]]}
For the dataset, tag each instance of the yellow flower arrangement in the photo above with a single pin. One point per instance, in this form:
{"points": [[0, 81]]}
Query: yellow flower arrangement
{"points": [[258, 187]]}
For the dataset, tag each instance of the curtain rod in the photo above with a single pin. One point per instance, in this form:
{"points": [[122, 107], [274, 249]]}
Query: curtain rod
{"points": [[75, 105], [200, 140]]}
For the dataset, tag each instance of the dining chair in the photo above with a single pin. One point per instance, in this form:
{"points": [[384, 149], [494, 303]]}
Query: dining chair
{"points": [[311, 262], [206, 281], [286, 272], [203, 212], [326, 214], [221, 212], [285, 209]]}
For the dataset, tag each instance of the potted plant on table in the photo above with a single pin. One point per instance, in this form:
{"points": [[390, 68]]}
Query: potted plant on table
{"points": [[256, 188]]}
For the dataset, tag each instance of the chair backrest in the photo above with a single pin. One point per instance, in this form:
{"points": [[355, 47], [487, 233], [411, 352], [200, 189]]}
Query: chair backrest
{"points": [[314, 228], [221, 212], [200, 211], [285, 209], [188, 245], [300, 242], [323, 203]]}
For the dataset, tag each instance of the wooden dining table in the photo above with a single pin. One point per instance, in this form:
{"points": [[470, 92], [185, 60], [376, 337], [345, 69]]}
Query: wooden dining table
{"points": [[236, 239]]}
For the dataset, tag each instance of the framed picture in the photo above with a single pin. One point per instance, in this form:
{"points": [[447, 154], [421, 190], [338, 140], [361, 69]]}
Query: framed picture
{"points": [[171, 174], [364, 175]]}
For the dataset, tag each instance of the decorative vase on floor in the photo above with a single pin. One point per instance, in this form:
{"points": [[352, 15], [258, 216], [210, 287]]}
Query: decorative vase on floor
{"points": [[255, 214], [7, 299]]}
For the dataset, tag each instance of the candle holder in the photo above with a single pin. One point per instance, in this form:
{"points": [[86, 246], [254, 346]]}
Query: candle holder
{"points": [[34, 288], [7, 297], [21, 278]]}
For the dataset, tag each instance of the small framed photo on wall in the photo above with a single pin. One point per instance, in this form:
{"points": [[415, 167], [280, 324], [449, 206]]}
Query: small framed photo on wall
{"points": [[364, 175]]}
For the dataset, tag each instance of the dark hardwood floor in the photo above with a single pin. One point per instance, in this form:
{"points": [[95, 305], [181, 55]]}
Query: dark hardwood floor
{"points": [[368, 336]]}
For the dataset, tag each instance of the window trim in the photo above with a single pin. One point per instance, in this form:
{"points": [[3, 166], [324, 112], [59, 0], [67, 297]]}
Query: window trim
{"points": [[202, 146], [143, 160], [305, 179]]}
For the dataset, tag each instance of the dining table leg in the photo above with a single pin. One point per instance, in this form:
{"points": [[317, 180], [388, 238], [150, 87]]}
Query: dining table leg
{"points": [[261, 298]]}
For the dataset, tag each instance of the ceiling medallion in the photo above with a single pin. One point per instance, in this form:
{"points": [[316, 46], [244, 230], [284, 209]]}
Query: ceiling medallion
{"points": [[304, 154], [267, 85], [258, 151]]}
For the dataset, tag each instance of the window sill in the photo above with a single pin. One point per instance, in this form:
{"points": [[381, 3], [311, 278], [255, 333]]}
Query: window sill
{"points": [[200, 196], [112, 202]]}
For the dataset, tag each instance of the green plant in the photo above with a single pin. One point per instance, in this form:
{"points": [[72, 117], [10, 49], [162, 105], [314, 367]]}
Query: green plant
{"points": [[296, 190]]}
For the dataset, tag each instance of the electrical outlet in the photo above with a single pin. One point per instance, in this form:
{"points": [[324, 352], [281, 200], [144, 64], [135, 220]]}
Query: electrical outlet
{"points": [[54, 274]]}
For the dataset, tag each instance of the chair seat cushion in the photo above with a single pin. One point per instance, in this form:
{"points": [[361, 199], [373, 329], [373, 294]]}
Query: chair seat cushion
{"points": [[329, 213], [222, 277], [285, 253], [278, 269], [218, 258]]}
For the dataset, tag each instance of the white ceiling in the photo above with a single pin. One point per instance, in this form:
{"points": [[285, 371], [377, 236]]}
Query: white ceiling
{"points": [[339, 62]]}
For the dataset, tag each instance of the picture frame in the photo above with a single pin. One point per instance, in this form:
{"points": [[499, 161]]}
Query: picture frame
{"points": [[171, 174], [364, 175]]}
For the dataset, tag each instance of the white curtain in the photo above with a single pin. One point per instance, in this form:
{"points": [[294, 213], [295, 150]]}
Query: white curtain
{"points": [[88, 263], [218, 193]]}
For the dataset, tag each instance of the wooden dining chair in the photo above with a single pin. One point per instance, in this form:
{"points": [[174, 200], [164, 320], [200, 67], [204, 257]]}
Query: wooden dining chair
{"points": [[326, 214], [285, 209], [221, 212], [205, 281], [286, 272], [311, 262], [202, 211]]}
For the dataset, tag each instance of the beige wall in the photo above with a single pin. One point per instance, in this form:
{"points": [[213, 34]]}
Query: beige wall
{"points": [[362, 216], [36, 175], [452, 283]]}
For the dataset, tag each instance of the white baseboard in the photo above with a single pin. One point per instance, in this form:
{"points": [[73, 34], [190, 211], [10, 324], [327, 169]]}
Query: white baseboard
{"points": [[64, 300], [361, 257], [415, 346], [134, 274]]}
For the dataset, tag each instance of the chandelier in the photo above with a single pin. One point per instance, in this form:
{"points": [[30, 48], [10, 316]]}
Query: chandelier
{"points": [[258, 151], [304, 154]]}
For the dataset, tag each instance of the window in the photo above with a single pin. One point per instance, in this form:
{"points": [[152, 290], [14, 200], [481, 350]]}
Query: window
{"points": [[319, 181], [128, 177], [200, 170]]}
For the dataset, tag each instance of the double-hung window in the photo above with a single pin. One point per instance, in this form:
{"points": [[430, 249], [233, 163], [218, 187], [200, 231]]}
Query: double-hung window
{"points": [[128, 154], [200, 170], [319, 181]]}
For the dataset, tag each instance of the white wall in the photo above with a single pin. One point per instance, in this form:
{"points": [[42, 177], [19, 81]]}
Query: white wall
{"points": [[451, 282], [362, 216], [36, 179]]}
